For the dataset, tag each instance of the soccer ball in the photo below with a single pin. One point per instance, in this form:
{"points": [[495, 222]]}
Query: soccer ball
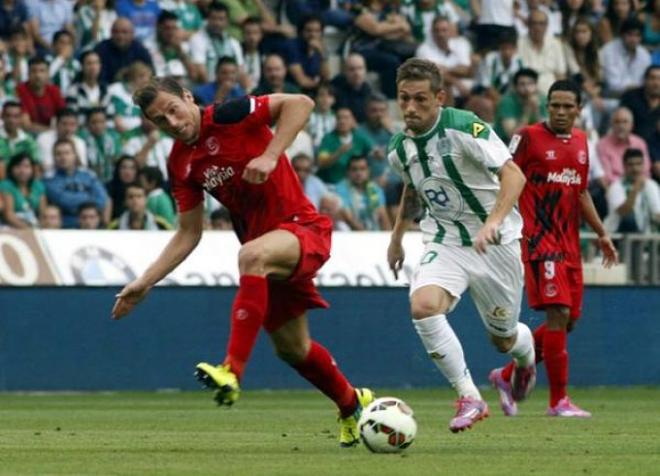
{"points": [[387, 425]]}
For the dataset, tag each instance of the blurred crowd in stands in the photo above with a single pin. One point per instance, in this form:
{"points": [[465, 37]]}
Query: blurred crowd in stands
{"points": [[75, 151]]}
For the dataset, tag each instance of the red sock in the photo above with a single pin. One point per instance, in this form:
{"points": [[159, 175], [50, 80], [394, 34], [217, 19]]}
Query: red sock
{"points": [[320, 369], [539, 332], [247, 316], [556, 363]]}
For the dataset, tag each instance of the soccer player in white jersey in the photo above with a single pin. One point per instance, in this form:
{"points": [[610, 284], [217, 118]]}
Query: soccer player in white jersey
{"points": [[455, 165]]}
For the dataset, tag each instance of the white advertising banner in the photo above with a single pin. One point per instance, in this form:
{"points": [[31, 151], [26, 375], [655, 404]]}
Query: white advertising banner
{"points": [[102, 258]]}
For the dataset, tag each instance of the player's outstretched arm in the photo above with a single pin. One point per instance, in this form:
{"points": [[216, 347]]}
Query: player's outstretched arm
{"points": [[408, 210], [512, 182], [590, 215], [290, 112], [186, 238]]}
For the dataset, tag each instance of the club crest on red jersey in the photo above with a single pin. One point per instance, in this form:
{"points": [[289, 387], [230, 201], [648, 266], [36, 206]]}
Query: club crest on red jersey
{"points": [[212, 146], [550, 155], [551, 290]]}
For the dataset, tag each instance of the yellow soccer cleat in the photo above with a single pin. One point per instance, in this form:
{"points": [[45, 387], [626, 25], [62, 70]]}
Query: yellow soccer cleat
{"points": [[220, 379], [349, 433]]}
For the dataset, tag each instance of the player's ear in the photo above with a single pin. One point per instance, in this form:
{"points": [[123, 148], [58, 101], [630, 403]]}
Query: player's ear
{"points": [[188, 96], [441, 96]]}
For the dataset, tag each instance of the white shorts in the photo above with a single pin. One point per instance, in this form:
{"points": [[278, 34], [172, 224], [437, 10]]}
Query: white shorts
{"points": [[495, 280]]}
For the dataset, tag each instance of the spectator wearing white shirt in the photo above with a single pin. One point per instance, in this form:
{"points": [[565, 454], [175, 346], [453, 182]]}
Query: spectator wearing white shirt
{"points": [[170, 54], [624, 60], [542, 52], [452, 55], [634, 199], [66, 127], [213, 42]]}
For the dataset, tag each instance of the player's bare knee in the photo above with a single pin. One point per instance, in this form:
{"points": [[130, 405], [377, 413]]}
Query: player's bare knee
{"points": [[292, 353], [503, 344], [423, 308], [558, 317], [252, 259]]}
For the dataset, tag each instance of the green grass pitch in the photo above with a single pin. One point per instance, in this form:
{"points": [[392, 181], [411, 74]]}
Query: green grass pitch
{"points": [[294, 433]]}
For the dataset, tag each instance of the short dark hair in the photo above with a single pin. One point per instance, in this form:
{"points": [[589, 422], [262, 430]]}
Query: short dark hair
{"points": [[376, 97], [11, 103], [65, 112], [88, 206], [417, 69], [525, 73], [216, 6], [37, 60], [631, 24], [251, 21], [327, 86], [355, 158], [632, 153], [566, 85], [85, 54], [153, 175], [650, 69], [221, 213], [136, 185], [225, 60], [507, 37], [145, 95], [59, 34], [309, 18], [166, 15], [95, 110]]}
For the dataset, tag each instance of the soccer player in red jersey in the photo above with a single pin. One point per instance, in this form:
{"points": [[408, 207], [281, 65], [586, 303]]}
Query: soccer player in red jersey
{"points": [[229, 151], [553, 156]]}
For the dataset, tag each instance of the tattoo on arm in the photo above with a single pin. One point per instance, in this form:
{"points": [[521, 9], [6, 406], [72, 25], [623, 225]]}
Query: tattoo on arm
{"points": [[410, 205]]}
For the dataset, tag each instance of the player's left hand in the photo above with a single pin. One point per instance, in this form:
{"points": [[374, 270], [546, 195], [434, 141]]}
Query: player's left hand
{"points": [[258, 169], [488, 235], [610, 255]]}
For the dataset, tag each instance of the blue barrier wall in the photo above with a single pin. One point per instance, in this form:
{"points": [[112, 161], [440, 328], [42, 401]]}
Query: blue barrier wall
{"points": [[63, 339]]}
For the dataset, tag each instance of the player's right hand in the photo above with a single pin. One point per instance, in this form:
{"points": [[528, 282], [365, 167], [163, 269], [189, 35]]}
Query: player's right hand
{"points": [[128, 298], [395, 257]]}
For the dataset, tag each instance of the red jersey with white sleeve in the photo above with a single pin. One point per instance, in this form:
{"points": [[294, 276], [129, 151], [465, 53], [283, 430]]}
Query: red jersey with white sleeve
{"points": [[231, 135], [556, 168]]}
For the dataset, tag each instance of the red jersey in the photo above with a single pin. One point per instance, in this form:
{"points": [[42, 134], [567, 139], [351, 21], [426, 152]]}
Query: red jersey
{"points": [[41, 109], [556, 168], [232, 134]]}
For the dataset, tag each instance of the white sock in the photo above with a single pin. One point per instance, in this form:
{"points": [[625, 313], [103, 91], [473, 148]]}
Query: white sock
{"points": [[446, 352], [523, 349]]}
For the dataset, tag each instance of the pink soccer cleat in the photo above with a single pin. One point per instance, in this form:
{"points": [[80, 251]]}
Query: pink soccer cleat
{"points": [[522, 382], [507, 403], [468, 411], [566, 408]]}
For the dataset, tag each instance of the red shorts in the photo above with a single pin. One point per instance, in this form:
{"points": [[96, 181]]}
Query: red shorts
{"points": [[552, 282], [290, 298]]}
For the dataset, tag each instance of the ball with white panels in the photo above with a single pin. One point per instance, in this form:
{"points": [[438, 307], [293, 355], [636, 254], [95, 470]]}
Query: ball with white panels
{"points": [[387, 425]]}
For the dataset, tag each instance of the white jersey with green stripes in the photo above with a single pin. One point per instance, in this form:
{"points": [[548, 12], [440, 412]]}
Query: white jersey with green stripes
{"points": [[453, 167]]}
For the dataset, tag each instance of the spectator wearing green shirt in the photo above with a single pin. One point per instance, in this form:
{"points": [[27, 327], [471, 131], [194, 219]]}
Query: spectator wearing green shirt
{"points": [[103, 144], [13, 139], [339, 146], [363, 201], [523, 106], [24, 195], [158, 201]]}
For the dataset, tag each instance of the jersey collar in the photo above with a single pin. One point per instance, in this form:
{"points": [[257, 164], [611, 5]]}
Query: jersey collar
{"points": [[558, 136]]}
